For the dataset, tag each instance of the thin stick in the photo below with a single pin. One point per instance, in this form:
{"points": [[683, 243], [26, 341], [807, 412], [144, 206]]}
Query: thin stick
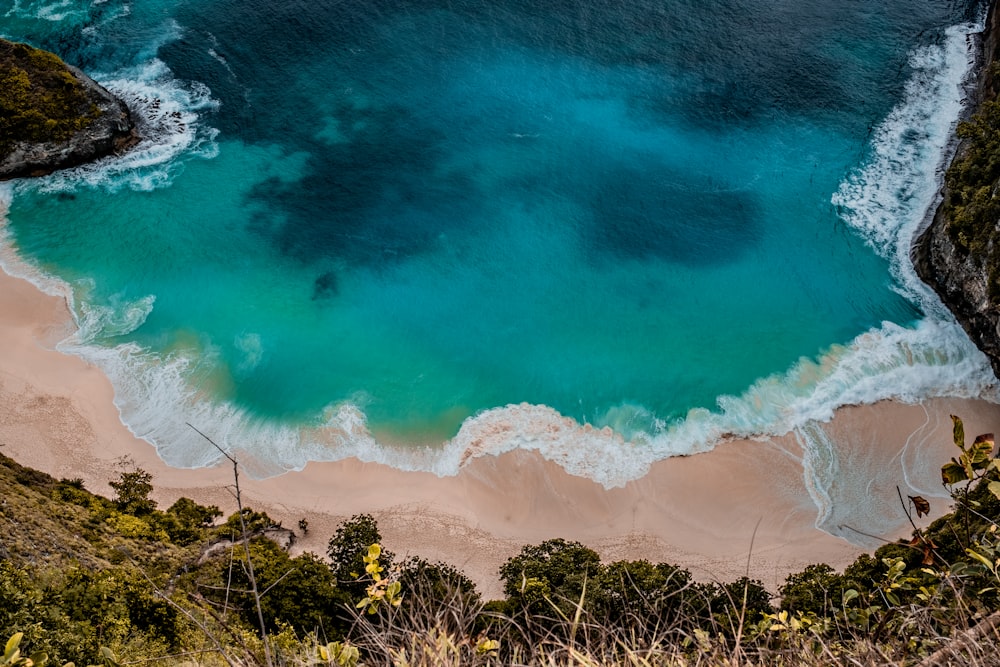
{"points": [[246, 545], [189, 615], [965, 641]]}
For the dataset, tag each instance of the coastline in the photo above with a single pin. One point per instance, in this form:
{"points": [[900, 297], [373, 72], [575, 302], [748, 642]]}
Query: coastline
{"points": [[745, 506]]}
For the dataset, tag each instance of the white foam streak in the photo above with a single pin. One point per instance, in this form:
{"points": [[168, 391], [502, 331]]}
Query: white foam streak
{"points": [[888, 199], [54, 12], [885, 201], [96, 322], [167, 114]]}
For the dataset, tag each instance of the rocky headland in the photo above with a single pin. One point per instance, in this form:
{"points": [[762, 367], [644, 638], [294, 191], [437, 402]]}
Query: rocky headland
{"points": [[53, 116], [958, 254]]}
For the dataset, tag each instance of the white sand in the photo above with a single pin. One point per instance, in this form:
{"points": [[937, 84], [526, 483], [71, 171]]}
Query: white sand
{"points": [[702, 512]]}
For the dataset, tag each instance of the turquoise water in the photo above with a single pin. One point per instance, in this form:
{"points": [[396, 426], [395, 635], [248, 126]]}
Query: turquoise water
{"points": [[364, 228]]}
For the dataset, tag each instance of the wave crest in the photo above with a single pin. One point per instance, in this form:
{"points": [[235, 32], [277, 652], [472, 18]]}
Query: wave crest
{"points": [[885, 201]]}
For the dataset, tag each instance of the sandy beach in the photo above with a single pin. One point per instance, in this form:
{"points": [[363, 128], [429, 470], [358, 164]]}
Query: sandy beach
{"points": [[744, 506]]}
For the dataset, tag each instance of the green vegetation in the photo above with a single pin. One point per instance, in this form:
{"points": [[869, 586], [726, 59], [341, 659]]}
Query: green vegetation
{"points": [[40, 99], [86, 579], [972, 203]]}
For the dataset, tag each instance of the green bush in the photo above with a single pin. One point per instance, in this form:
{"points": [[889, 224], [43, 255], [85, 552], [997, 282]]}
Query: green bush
{"points": [[972, 205], [301, 592], [817, 589], [347, 549], [254, 521], [645, 595], [40, 100]]}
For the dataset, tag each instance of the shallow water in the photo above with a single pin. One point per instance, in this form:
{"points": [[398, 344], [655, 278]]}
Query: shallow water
{"points": [[364, 222]]}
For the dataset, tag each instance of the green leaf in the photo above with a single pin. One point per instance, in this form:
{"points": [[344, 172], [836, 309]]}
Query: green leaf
{"points": [[958, 432], [849, 595], [994, 488], [12, 645], [39, 658], [981, 558], [110, 659], [981, 449], [953, 473]]}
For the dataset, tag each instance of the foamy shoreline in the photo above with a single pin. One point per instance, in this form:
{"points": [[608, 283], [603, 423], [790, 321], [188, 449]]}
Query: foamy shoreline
{"points": [[746, 504]]}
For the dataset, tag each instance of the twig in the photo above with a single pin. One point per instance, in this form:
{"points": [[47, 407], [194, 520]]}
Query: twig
{"points": [[188, 615], [906, 511], [170, 657], [246, 545], [738, 650], [964, 642], [876, 537]]}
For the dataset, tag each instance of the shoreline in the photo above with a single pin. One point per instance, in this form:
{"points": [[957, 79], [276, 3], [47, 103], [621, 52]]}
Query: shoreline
{"points": [[746, 506]]}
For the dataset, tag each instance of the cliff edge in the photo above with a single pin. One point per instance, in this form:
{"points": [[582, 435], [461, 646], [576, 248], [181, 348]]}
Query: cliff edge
{"points": [[958, 254], [53, 116]]}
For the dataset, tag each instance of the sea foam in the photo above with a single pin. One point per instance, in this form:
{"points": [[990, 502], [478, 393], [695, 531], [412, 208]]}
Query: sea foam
{"points": [[168, 115], [888, 201], [885, 201], [46, 11]]}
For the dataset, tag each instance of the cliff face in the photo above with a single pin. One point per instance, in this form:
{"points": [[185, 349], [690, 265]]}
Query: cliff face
{"points": [[962, 276], [93, 125]]}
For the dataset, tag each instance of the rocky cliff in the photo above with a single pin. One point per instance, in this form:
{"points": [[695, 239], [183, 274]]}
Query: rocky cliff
{"points": [[53, 116], [958, 255]]}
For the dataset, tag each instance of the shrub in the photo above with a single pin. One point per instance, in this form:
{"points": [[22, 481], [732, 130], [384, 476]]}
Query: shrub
{"points": [[347, 549]]}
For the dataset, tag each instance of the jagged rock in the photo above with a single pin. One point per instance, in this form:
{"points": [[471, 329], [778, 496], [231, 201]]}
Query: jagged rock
{"points": [[112, 131], [959, 277]]}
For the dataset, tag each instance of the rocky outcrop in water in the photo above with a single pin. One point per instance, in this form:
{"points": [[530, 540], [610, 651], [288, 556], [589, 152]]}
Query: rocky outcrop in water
{"points": [[965, 273], [53, 116]]}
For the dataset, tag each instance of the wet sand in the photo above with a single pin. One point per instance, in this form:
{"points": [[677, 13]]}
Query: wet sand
{"points": [[743, 507]]}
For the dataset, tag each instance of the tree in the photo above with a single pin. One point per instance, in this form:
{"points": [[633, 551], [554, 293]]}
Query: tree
{"points": [[741, 602], [254, 522], [818, 589], [185, 521], [347, 549], [431, 585], [132, 489], [553, 572], [640, 594], [300, 592]]}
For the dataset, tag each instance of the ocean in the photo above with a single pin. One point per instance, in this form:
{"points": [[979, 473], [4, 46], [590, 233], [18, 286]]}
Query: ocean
{"points": [[422, 230]]}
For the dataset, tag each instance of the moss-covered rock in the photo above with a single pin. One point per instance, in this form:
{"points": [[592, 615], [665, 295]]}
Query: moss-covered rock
{"points": [[958, 255], [53, 116]]}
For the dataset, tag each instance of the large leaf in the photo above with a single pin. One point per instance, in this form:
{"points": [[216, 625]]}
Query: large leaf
{"points": [[994, 488], [12, 644], [958, 432], [953, 472], [981, 450]]}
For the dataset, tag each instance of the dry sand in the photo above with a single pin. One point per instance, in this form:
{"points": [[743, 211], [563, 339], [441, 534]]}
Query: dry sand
{"points": [[742, 506]]}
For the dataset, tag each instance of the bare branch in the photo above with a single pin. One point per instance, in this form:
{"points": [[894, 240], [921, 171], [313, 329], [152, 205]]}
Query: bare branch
{"points": [[246, 545]]}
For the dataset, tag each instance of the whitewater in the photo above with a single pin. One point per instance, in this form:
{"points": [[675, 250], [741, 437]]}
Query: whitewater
{"points": [[163, 383]]}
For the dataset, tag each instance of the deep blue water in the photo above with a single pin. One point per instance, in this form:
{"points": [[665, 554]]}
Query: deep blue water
{"points": [[358, 221]]}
